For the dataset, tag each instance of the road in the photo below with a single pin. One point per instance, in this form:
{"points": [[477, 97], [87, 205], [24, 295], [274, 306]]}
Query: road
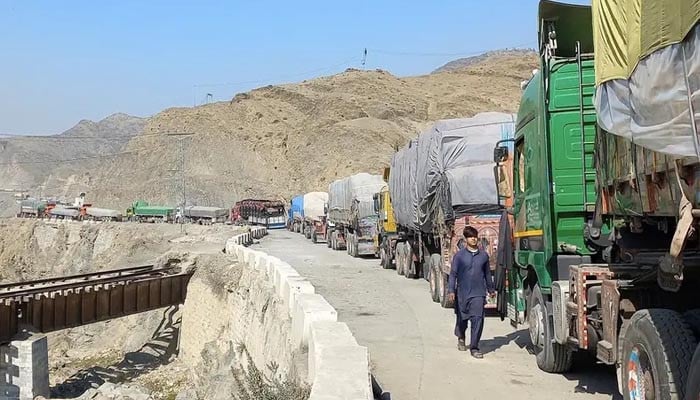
{"points": [[410, 338]]}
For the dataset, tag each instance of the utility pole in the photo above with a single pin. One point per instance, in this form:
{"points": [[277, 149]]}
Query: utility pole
{"points": [[181, 141]]}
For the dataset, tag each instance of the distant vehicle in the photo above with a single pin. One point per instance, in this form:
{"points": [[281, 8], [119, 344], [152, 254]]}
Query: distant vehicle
{"points": [[141, 211], [268, 213], [351, 221], [307, 215], [387, 234], [205, 215], [32, 208]]}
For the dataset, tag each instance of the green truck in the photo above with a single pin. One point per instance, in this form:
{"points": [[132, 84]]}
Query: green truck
{"points": [[605, 254], [141, 211]]}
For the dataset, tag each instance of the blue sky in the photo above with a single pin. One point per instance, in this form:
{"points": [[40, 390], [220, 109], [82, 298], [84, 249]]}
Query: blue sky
{"points": [[65, 61]]}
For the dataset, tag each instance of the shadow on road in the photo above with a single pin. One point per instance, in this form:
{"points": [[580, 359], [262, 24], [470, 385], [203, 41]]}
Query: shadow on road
{"points": [[160, 350], [378, 392], [591, 376]]}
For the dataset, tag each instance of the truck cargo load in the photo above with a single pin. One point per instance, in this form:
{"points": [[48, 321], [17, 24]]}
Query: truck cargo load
{"points": [[205, 212], [64, 212], [447, 172], [32, 208], [103, 213], [647, 84], [351, 213], [314, 203]]}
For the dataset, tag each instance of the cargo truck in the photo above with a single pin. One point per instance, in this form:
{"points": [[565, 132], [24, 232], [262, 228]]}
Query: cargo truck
{"points": [[605, 253], [439, 183], [352, 222], [314, 215], [141, 211], [268, 213], [386, 235], [32, 208], [296, 214], [205, 215]]}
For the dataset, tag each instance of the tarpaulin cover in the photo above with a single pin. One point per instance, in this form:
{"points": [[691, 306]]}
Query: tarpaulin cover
{"points": [[205, 212], [103, 212], [448, 171], [351, 197], [647, 60], [297, 207], [313, 204]]}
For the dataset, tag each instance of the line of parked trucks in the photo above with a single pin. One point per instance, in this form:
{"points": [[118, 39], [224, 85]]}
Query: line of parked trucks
{"points": [[411, 216], [589, 205], [269, 213]]}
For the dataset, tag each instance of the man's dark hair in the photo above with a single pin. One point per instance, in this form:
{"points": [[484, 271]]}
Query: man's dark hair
{"points": [[470, 232]]}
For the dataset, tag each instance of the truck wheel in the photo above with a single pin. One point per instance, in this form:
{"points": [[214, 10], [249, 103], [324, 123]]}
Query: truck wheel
{"points": [[399, 258], [656, 354], [692, 391], [308, 232], [348, 244], [443, 289], [551, 357], [692, 318], [329, 242], [433, 273], [409, 270], [384, 255]]}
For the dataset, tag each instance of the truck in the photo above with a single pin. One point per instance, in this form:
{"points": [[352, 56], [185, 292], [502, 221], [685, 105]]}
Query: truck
{"points": [[386, 234], [440, 182], [102, 214], [603, 256], [265, 212], [295, 215], [352, 222], [314, 215], [205, 215], [142, 211], [32, 208]]}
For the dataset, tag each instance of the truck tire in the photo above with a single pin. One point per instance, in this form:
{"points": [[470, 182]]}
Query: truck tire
{"points": [[433, 273], [307, 232], [314, 239], [692, 390], [329, 242], [551, 356], [384, 254], [409, 270], [399, 257], [692, 318], [657, 348], [443, 289]]}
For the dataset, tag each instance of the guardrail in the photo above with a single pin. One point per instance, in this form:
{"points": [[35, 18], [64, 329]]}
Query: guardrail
{"points": [[338, 368]]}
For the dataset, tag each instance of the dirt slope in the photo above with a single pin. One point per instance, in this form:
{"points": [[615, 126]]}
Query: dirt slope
{"points": [[282, 140]]}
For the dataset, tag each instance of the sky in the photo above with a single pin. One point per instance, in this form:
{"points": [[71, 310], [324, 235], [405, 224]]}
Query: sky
{"points": [[67, 61]]}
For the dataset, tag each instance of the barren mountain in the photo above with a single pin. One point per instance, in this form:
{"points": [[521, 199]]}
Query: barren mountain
{"points": [[465, 62], [56, 164], [277, 141]]}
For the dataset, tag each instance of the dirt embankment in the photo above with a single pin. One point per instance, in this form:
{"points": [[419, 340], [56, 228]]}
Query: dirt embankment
{"points": [[140, 349]]}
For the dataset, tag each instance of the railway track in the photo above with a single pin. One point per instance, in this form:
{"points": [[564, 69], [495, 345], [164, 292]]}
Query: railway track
{"points": [[45, 305]]}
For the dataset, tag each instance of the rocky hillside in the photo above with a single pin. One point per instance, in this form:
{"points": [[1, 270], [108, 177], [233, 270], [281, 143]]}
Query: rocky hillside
{"points": [[465, 62], [281, 140], [30, 162]]}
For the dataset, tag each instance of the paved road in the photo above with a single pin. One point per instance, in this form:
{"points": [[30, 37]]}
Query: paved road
{"points": [[410, 338]]}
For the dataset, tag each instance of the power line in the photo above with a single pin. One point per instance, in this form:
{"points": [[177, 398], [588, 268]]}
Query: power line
{"points": [[280, 77]]}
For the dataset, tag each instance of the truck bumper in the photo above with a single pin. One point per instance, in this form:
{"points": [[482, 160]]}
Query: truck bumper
{"points": [[366, 248]]}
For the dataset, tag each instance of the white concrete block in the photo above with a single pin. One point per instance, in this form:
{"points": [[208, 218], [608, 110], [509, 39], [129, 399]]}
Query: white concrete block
{"points": [[293, 286], [325, 334], [282, 272], [307, 309], [261, 260], [342, 374]]}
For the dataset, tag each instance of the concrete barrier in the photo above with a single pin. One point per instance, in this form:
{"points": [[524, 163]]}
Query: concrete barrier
{"points": [[338, 368]]}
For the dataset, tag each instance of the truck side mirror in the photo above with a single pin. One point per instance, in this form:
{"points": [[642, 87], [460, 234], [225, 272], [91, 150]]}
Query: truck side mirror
{"points": [[325, 208], [500, 154], [375, 198], [503, 183]]}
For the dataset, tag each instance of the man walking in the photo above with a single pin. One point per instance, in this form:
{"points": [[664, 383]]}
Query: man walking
{"points": [[470, 282]]}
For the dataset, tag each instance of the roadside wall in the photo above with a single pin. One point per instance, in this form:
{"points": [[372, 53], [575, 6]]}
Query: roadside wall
{"points": [[336, 366]]}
